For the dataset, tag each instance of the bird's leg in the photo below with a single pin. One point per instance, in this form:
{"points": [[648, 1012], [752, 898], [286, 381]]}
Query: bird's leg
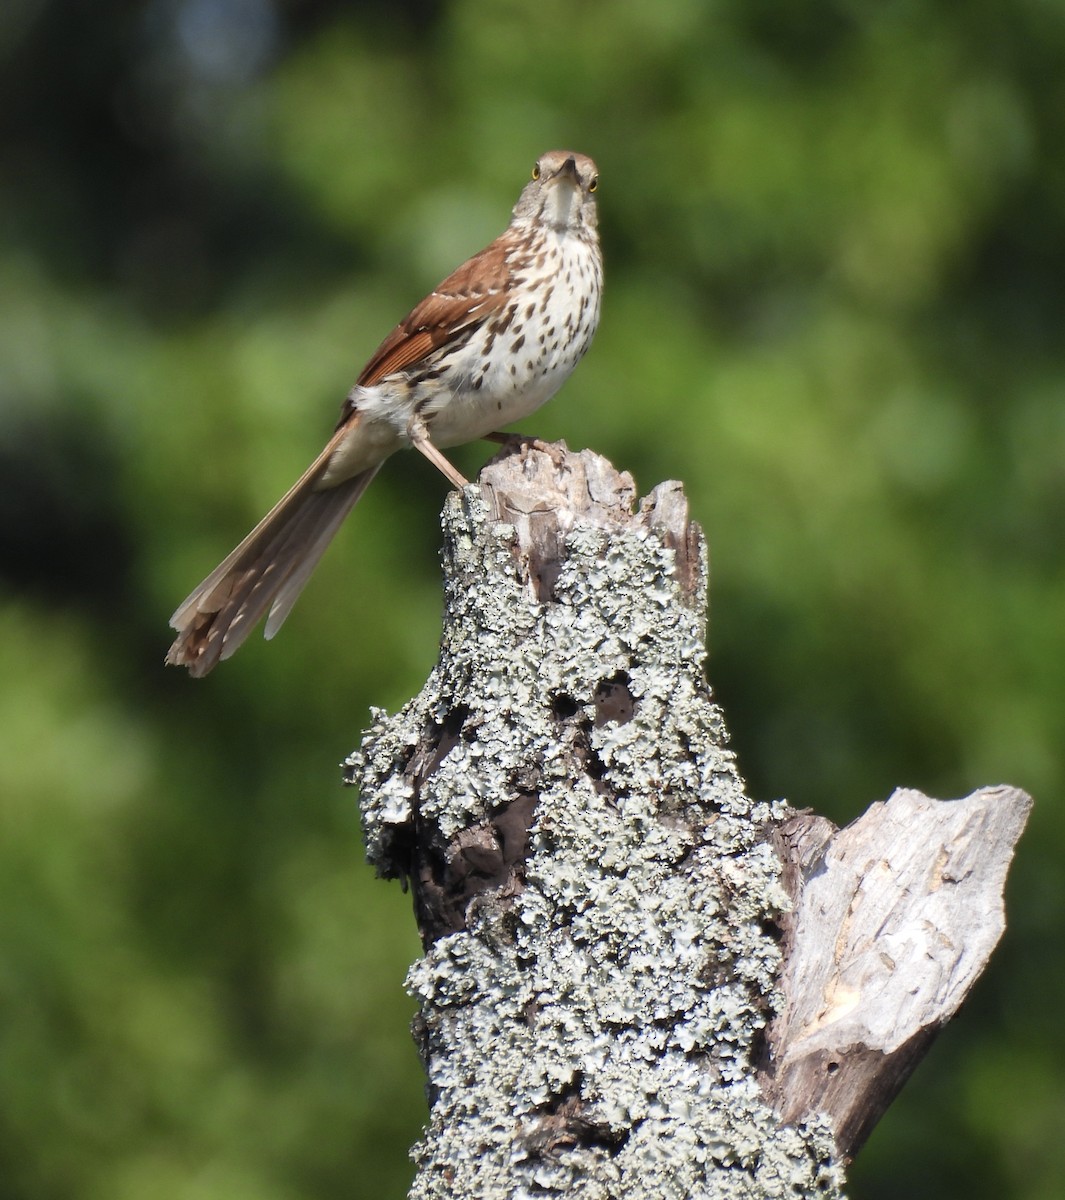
{"points": [[419, 437]]}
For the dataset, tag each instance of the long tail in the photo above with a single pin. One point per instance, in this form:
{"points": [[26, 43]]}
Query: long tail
{"points": [[266, 571]]}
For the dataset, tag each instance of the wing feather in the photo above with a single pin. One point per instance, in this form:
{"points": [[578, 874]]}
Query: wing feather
{"points": [[468, 297]]}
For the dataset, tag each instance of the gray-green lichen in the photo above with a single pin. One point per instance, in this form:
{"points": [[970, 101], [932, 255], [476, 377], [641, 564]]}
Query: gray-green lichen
{"points": [[592, 1030]]}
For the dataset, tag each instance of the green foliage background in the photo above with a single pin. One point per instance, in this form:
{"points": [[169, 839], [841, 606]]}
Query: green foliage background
{"points": [[835, 241]]}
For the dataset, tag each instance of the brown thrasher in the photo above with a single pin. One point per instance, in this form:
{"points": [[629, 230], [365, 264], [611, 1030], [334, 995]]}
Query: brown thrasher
{"points": [[485, 348]]}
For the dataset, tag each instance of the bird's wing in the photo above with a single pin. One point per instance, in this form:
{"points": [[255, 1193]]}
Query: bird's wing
{"points": [[467, 297]]}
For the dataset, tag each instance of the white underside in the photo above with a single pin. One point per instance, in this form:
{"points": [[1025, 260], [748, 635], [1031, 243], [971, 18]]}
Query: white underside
{"points": [[453, 410]]}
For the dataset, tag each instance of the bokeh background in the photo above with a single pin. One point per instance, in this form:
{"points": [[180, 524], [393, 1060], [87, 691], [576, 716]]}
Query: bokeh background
{"points": [[835, 242]]}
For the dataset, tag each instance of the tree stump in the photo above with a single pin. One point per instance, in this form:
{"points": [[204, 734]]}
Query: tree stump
{"points": [[639, 982]]}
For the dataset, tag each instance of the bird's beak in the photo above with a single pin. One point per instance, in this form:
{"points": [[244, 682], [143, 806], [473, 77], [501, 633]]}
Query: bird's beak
{"points": [[569, 168]]}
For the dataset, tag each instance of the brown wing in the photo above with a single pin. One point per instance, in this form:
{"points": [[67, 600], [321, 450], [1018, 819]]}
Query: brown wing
{"points": [[468, 296]]}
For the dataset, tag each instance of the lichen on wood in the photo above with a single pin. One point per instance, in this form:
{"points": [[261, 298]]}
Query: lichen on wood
{"points": [[604, 910], [600, 968]]}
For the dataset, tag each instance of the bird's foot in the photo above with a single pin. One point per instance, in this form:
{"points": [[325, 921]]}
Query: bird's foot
{"points": [[521, 443]]}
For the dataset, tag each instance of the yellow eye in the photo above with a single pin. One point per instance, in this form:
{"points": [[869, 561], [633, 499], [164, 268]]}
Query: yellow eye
{"points": [[594, 184], [536, 171]]}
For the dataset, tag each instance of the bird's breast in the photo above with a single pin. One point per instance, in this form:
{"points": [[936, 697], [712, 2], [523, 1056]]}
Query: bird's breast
{"points": [[492, 373], [519, 357]]}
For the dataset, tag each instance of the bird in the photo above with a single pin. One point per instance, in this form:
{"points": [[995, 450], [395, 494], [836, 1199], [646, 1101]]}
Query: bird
{"points": [[488, 346]]}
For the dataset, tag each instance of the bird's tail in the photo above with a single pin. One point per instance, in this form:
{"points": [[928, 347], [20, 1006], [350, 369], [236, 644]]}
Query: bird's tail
{"points": [[266, 571]]}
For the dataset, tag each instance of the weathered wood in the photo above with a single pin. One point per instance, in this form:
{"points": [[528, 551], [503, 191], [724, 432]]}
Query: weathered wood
{"points": [[893, 919], [607, 916]]}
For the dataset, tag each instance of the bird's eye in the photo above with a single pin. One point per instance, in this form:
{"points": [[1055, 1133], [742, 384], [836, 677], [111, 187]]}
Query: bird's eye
{"points": [[594, 184], [536, 171]]}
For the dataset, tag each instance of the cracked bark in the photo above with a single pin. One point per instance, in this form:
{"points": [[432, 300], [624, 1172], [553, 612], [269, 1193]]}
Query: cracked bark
{"points": [[638, 981]]}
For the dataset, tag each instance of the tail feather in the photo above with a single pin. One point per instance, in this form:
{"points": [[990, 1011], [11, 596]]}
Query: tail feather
{"points": [[266, 571], [319, 537]]}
